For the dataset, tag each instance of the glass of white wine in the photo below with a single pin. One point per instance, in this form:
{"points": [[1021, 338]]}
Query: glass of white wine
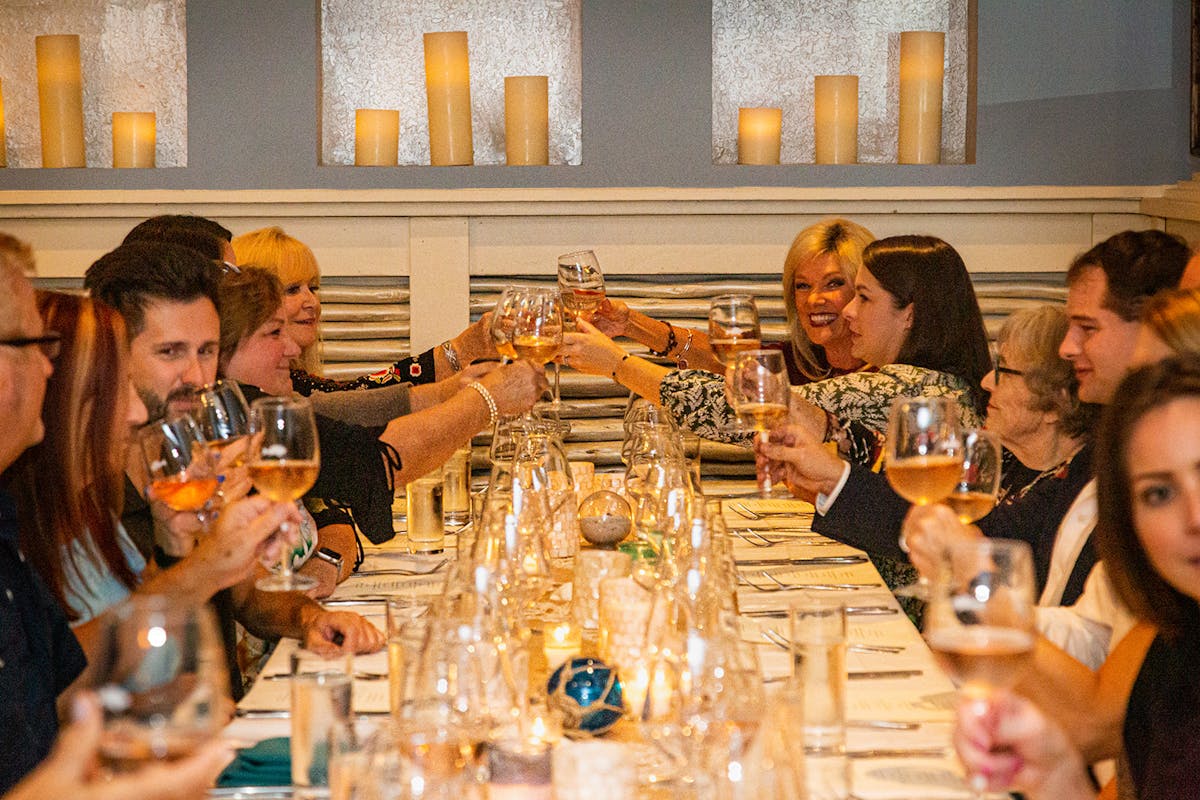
{"points": [[733, 326], [581, 284], [223, 417], [979, 622], [538, 329], [504, 320], [180, 467], [284, 462], [160, 674], [759, 388], [979, 480]]}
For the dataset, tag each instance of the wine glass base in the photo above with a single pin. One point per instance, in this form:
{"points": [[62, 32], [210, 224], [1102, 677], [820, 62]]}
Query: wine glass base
{"points": [[282, 583]]}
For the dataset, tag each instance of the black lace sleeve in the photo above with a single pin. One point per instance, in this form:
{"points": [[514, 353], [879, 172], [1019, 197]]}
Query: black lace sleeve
{"points": [[414, 369]]}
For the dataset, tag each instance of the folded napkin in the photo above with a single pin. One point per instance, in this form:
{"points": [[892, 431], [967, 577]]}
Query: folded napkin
{"points": [[268, 763]]}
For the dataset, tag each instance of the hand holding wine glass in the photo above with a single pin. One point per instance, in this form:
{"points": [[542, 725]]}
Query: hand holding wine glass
{"points": [[580, 283], [538, 330], [182, 473], [759, 387], [979, 479], [284, 464], [979, 622], [504, 321]]}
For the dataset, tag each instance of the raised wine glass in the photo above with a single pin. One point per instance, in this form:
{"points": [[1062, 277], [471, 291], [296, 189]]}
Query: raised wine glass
{"points": [[759, 393], [161, 678], [979, 480], [179, 465], [581, 284], [223, 417], [504, 320], [979, 622], [538, 329], [284, 461], [733, 326]]}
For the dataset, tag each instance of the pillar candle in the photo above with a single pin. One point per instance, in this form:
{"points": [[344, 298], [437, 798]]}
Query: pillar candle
{"points": [[60, 100], [922, 57], [560, 643], [835, 118], [376, 137], [448, 92], [526, 120], [133, 139], [3, 146], [759, 135]]}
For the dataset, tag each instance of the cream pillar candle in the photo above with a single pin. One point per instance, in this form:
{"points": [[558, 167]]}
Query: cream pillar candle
{"points": [[60, 100], [448, 93], [3, 145], [376, 137], [922, 58], [133, 139], [759, 131], [526, 120], [835, 118]]}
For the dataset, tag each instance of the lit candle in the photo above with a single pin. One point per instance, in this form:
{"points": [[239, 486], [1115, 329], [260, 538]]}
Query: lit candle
{"points": [[922, 57], [561, 643], [526, 120], [448, 92], [759, 131], [60, 100], [376, 137], [634, 687], [835, 118], [133, 139], [3, 147]]}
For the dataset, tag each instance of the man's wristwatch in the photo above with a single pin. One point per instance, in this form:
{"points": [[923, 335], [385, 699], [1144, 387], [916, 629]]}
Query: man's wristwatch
{"points": [[329, 557]]}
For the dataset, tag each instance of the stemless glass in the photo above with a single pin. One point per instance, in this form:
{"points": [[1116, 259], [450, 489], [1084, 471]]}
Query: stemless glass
{"points": [[180, 466], [759, 395], [284, 463], [581, 284], [733, 326], [161, 678], [221, 412], [979, 621], [979, 481]]}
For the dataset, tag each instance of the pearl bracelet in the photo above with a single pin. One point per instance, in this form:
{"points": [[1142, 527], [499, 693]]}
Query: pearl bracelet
{"points": [[493, 412]]}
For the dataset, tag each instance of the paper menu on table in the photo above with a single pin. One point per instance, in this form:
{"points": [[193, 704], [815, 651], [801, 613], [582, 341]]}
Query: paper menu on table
{"points": [[377, 585], [274, 693]]}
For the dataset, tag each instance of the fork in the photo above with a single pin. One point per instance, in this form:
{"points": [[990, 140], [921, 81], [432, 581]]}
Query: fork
{"points": [[828, 586], [749, 513]]}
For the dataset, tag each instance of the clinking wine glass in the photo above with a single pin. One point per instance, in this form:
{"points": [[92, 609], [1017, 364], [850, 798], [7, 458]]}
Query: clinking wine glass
{"points": [[979, 480], [979, 622], [504, 320], [581, 284], [179, 465], [284, 462], [538, 329], [224, 418], [760, 391], [161, 678], [733, 326]]}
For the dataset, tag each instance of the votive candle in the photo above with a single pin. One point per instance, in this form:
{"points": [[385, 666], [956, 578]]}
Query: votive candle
{"points": [[60, 100], [133, 139], [759, 132], [922, 70], [526, 120], [448, 94], [835, 118], [561, 643], [376, 137]]}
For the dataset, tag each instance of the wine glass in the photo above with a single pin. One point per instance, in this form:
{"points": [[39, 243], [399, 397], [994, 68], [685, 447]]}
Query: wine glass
{"points": [[161, 679], [223, 417], [180, 466], [284, 462], [581, 283], [504, 320], [733, 326], [979, 620], [538, 329], [759, 393], [979, 480]]}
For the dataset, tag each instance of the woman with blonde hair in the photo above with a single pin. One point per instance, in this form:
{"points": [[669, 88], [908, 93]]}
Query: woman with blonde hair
{"points": [[294, 263]]}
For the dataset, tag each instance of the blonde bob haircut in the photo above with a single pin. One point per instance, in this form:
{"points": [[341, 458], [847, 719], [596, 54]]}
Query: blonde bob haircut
{"points": [[292, 262], [844, 241]]}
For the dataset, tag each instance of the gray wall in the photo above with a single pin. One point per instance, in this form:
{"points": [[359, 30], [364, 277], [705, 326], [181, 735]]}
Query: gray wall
{"points": [[1071, 92]]}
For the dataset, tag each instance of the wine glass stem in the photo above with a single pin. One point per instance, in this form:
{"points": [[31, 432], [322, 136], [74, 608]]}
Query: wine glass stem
{"points": [[285, 553], [767, 485], [556, 399]]}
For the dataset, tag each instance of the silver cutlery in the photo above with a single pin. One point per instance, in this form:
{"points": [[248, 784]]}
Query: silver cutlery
{"points": [[779, 640], [809, 560], [884, 674], [788, 587], [883, 724], [853, 610], [898, 752], [745, 511]]}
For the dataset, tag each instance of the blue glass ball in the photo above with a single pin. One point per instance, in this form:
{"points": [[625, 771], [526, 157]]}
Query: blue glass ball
{"points": [[588, 693]]}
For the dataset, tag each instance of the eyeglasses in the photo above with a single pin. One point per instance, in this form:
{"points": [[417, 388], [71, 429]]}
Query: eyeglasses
{"points": [[229, 269], [50, 343], [999, 370]]}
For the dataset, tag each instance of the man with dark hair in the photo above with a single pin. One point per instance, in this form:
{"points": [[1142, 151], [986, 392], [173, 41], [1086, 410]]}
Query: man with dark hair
{"points": [[199, 233], [168, 295]]}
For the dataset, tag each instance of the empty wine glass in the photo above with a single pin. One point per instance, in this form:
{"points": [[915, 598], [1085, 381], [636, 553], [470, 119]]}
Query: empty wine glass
{"points": [[979, 620], [160, 674], [759, 395], [284, 462], [979, 480], [581, 283], [733, 326], [180, 466]]}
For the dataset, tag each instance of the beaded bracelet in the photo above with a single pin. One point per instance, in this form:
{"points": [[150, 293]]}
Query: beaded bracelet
{"points": [[670, 345], [493, 412]]}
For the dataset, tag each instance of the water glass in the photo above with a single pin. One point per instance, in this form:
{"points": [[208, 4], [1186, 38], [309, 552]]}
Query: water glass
{"points": [[456, 489], [407, 628], [320, 713], [426, 529], [818, 628]]}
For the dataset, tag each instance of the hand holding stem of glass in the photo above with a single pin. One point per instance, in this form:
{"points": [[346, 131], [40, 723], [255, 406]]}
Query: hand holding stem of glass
{"points": [[504, 321], [179, 466], [284, 466]]}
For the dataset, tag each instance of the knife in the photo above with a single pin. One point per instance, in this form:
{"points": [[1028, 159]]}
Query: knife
{"points": [[884, 674], [859, 610], [898, 752], [809, 561]]}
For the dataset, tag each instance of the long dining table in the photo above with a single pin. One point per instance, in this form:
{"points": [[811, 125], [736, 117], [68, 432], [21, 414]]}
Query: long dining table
{"points": [[899, 703]]}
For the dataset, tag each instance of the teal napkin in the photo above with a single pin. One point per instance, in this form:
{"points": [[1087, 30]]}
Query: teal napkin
{"points": [[268, 763]]}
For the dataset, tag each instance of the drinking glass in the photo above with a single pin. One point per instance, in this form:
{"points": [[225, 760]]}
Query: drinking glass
{"points": [[759, 388], [284, 462], [504, 320], [180, 466], [924, 449], [733, 326], [161, 678], [581, 284], [538, 328], [224, 419], [979, 620], [979, 480]]}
